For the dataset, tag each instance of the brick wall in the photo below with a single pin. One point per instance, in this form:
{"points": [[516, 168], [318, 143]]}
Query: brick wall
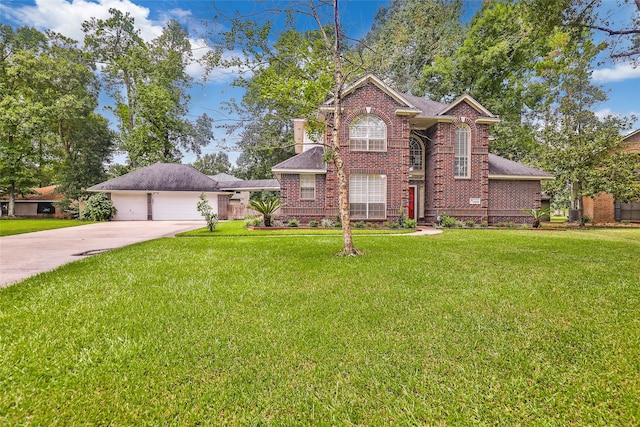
{"points": [[394, 163], [444, 192], [303, 210], [508, 198]]}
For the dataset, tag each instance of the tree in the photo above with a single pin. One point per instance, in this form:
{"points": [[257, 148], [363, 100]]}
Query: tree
{"points": [[578, 145], [22, 113], [266, 207], [148, 84], [207, 212], [409, 35], [212, 164], [323, 66]]}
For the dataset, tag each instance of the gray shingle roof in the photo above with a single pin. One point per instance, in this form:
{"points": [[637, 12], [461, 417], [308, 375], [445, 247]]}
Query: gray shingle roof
{"points": [[251, 185], [499, 166], [429, 108], [160, 177], [307, 160], [223, 177]]}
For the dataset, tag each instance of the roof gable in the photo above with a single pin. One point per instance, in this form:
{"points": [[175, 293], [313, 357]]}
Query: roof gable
{"points": [[400, 98], [469, 100], [160, 177], [307, 161]]}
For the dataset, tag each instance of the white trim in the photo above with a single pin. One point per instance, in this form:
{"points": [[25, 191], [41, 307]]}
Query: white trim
{"points": [[624, 138], [469, 100], [487, 120], [407, 112]]}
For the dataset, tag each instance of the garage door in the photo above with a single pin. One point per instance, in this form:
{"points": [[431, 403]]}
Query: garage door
{"points": [[130, 206], [180, 206]]}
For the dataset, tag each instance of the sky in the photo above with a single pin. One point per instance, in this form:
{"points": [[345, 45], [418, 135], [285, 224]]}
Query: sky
{"points": [[66, 16]]}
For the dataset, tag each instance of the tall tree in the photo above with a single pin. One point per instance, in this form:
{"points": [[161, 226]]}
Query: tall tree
{"points": [[148, 83], [408, 35], [212, 164], [22, 112], [578, 145]]}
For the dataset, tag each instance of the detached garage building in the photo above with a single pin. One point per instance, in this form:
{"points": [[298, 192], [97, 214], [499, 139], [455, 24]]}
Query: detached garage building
{"points": [[163, 191]]}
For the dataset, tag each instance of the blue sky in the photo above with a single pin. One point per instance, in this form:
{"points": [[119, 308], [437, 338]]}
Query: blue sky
{"points": [[65, 16]]}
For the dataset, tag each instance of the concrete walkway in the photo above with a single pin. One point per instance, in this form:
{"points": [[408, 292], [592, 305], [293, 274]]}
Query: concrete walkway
{"points": [[24, 255]]}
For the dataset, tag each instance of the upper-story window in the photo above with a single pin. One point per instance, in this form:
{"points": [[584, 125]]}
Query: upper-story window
{"points": [[415, 155], [368, 133], [462, 152]]}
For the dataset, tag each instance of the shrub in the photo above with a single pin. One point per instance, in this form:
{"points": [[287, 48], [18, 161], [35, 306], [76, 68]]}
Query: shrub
{"points": [[293, 223], [98, 208], [252, 221], [410, 223], [393, 224], [585, 219], [469, 223], [71, 208], [401, 218], [313, 223], [360, 224], [207, 212], [372, 225], [327, 223], [484, 224], [447, 221]]}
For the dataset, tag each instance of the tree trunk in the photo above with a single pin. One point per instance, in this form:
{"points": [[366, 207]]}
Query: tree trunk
{"points": [[12, 199], [343, 189]]}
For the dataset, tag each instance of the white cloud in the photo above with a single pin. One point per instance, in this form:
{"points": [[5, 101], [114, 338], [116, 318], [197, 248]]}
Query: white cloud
{"points": [[66, 16], [618, 73]]}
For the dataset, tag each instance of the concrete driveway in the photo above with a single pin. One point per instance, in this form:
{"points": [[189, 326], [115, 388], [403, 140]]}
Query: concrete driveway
{"points": [[24, 255]]}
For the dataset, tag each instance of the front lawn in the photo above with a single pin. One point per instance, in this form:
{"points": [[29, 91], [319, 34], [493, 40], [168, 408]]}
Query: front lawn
{"points": [[20, 225], [509, 327]]}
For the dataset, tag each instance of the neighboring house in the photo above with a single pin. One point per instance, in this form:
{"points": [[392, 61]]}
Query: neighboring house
{"points": [[39, 203], [171, 191], [408, 153], [604, 208]]}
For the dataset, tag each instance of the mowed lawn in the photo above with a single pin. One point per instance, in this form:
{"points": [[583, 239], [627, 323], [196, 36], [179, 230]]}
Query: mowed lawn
{"points": [[9, 227], [463, 328]]}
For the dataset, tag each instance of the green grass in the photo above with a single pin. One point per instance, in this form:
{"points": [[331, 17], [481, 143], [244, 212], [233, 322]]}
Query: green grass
{"points": [[508, 327], [18, 226], [237, 228], [559, 219]]}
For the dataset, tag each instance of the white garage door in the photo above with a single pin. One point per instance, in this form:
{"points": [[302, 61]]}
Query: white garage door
{"points": [[180, 206], [130, 206]]}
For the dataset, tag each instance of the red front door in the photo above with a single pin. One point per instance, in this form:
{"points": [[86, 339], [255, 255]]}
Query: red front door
{"points": [[412, 202]]}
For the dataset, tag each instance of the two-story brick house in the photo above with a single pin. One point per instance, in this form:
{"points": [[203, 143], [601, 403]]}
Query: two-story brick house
{"points": [[409, 153]]}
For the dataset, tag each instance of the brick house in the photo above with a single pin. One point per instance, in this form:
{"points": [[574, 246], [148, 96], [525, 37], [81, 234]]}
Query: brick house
{"points": [[604, 208], [409, 153]]}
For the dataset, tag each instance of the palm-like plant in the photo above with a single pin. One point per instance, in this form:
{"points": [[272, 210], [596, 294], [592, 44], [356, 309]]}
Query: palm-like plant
{"points": [[266, 207], [537, 215]]}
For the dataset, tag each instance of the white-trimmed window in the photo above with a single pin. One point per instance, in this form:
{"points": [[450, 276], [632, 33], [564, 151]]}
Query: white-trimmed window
{"points": [[368, 196], [462, 152], [415, 155], [368, 133], [307, 187]]}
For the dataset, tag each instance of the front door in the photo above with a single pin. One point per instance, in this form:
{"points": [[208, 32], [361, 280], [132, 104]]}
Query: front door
{"points": [[412, 202]]}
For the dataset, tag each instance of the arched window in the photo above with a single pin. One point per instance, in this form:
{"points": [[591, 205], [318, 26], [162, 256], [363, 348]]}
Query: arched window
{"points": [[415, 155], [462, 152], [368, 133]]}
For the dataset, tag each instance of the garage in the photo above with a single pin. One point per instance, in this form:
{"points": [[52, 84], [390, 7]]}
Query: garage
{"points": [[176, 206], [131, 206], [162, 192]]}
